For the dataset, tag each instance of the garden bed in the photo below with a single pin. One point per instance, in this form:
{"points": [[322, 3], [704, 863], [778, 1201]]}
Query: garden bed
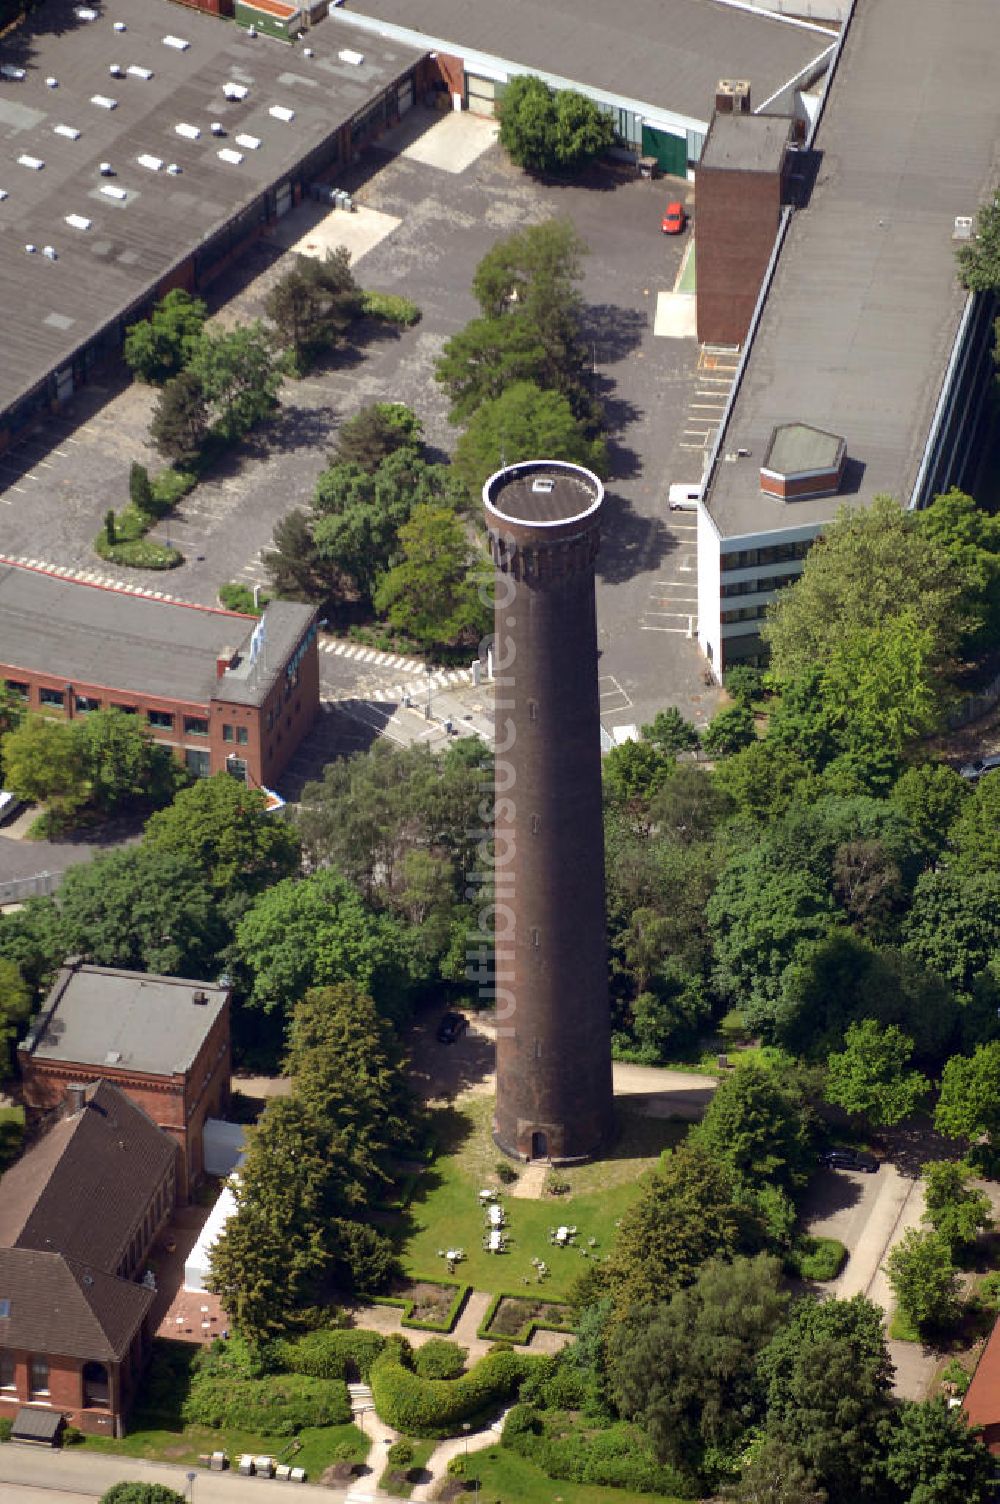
{"points": [[428, 1305], [516, 1318]]}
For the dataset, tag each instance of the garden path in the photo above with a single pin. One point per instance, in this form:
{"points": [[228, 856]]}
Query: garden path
{"points": [[456, 1446], [530, 1185]]}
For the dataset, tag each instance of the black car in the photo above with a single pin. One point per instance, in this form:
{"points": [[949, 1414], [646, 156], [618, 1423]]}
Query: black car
{"points": [[850, 1159], [451, 1027]]}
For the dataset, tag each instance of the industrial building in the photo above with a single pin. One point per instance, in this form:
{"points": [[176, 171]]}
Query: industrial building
{"points": [[145, 152], [866, 365], [224, 692], [652, 64], [553, 1035]]}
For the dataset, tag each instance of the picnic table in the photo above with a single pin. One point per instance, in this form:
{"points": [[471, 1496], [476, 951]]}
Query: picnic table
{"points": [[495, 1241], [496, 1215]]}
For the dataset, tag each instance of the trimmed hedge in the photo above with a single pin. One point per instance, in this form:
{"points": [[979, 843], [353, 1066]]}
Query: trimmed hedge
{"points": [[816, 1258], [340, 1354], [440, 1359], [406, 1303], [525, 1332], [390, 308], [278, 1405], [437, 1407]]}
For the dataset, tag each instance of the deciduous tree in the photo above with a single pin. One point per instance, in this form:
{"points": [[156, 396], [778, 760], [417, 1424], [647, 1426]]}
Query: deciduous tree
{"points": [[43, 763], [934, 1456], [871, 1077], [15, 1009], [179, 425], [239, 377], [433, 593], [758, 1124], [923, 1277], [969, 1104], [224, 827], [522, 424], [162, 345], [954, 1209], [378, 430], [314, 304]]}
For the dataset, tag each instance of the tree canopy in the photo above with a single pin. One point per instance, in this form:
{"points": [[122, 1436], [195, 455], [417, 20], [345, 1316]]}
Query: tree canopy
{"points": [[161, 346], [548, 131], [433, 592], [223, 826], [521, 424], [870, 1076]]}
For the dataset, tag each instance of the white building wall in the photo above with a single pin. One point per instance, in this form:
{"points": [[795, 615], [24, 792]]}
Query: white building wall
{"points": [[709, 622]]}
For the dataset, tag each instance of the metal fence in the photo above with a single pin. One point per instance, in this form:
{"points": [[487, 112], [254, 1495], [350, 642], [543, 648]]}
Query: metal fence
{"points": [[17, 889], [973, 706]]}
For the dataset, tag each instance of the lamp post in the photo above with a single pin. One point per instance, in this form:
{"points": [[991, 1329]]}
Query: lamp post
{"points": [[191, 1477]]}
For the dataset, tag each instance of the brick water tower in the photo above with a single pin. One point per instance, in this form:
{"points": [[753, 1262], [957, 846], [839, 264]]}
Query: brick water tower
{"points": [[554, 1098]]}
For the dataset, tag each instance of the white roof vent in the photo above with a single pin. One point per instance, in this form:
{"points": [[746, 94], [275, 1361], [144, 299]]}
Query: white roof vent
{"points": [[348, 55], [173, 169], [50, 252], [31, 249], [279, 112], [543, 485], [189, 132], [217, 128], [250, 142], [7, 70], [308, 52], [228, 155], [177, 43], [116, 70], [69, 131], [146, 159], [134, 71], [120, 26], [84, 13], [106, 170], [113, 1057], [52, 83], [235, 91], [77, 222], [35, 163], [104, 101], [118, 194], [3, 194]]}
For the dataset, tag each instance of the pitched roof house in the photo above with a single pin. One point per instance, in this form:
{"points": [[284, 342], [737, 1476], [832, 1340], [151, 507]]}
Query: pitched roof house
{"points": [[78, 1214]]}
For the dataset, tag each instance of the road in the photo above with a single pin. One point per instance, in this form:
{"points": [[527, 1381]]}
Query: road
{"points": [[72, 1476]]}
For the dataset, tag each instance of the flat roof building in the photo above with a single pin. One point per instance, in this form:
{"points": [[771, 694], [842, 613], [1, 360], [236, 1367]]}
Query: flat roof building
{"points": [[226, 693], [655, 64], [863, 330], [157, 154]]}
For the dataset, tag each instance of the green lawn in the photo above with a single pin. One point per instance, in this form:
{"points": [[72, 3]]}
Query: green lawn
{"points": [[445, 1211], [421, 1452], [187, 1444], [505, 1478]]}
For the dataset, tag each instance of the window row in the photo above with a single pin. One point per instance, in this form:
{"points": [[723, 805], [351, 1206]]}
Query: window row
{"points": [[744, 613], [161, 720], [776, 553], [38, 1373]]}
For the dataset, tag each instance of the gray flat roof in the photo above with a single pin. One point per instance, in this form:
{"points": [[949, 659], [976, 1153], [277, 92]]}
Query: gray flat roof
{"points": [[669, 53], [90, 635], [746, 143], [125, 1020], [864, 308], [52, 307], [796, 447]]}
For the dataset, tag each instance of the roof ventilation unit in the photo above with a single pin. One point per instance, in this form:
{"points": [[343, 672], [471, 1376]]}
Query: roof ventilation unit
{"points": [[134, 71], [217, 128], [348, 55], [732, 96], [3, 194], [146, 159], [77, 222], [177, 43], [35, 163], [234, 158], [963, 227], [104, 101], [106, 170], [120, 26], [280, 112], [31, 249], [52, 83], [189, 132], [234, 91], [251, 143], [69, 131], [50, 252], [173, 169], [118, 194], [116, 70], [85, 13]]}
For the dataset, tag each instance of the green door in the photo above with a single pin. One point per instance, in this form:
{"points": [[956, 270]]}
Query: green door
{"points": [[670, 151]]}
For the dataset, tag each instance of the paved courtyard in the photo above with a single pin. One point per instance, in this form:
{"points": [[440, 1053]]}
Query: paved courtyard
{"points": [[431, 200]]}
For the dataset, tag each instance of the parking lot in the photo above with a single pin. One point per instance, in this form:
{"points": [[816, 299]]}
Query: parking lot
{"points": [[444, 209]]}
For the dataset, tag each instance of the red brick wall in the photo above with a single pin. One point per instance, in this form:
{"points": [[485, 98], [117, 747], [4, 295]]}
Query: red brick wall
{"points": [[66, 1395], [737, 220], [817, 485]]}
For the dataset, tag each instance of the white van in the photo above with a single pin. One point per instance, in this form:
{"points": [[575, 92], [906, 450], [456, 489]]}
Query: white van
{"points": [[684, 498]]}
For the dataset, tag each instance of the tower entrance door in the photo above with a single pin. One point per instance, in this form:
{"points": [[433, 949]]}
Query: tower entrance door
{"points": [[539, 1146]]}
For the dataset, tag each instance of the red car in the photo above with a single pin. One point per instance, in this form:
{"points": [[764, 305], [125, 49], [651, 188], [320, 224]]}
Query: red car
{"points": [[674, 220]]}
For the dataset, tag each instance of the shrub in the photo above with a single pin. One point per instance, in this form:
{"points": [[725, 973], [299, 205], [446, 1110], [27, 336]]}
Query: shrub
{"points": [[71, 1437], [278, 1405], [400, 1454], [237, 597], [331, 1354], [457, 1467], [109, 525], [505, 1172], [140, 491], [988, 1293], [141, 1493], [437, 1407], [555, 1185], [6, 1426], [439, 1359], [817, 1258], [169, 486], [954, 1374], [390, 308], [11, 1134]]}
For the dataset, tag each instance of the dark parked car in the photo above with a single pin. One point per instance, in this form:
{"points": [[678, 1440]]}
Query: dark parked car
{"points": [[452, 1027], [850, 1159]]}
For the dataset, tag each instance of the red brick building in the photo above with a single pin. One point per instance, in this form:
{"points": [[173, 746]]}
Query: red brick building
{"points": [[78, 1215], [163, 1041], [225, 693], [740, 186]]}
